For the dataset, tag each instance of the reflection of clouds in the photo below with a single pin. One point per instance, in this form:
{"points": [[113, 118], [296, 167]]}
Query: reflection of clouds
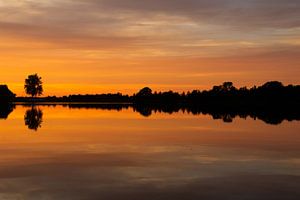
{"points": [[181, 173], [164, 157], [234, 187]]}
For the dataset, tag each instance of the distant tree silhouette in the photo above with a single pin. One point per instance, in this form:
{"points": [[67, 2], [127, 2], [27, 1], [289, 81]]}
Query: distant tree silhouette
{"points": [[33, 118], [33, 85], [273, 85], [145, 92], [224, 88], [228, 86], [6, 95]]}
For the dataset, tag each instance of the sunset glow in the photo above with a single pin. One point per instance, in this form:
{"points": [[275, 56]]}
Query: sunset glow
{"points": [[123, 45]]}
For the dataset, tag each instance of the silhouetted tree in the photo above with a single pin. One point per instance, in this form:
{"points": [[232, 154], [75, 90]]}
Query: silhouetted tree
{"points": [[6, 95], [33, 85], [228, 86], [33, 118], [273, 85], [146, 91]]}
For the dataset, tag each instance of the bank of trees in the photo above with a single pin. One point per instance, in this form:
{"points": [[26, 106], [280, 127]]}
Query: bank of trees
{"points": [[226, 94], [272, 92]]}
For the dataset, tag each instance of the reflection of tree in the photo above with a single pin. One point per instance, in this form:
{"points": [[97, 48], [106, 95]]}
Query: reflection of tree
{"points": [[33, 118], [226, 117], [146, 111], [5, 110]]}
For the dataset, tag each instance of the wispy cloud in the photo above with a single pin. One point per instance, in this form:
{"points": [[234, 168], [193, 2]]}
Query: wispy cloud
{"points": [[161, 24]]}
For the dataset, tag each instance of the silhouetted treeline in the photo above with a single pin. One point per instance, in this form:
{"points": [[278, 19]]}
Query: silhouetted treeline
{"points": [[272, 93], [97, 98], [272, 102], [6, 95]]}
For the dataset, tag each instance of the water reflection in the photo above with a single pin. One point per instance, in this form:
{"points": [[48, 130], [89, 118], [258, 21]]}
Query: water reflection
{"points": [[5, 110], [33, 118], [269, 116], [85, 153]]}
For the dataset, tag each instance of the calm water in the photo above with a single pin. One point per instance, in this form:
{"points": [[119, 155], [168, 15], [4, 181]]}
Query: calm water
{"points": [[71, 153]]}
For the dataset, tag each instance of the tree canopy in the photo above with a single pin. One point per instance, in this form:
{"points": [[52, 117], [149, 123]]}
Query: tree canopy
{"points": [[34, 85]]}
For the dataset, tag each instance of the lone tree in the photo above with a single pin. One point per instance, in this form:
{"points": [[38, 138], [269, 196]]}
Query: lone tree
{"points": [[33, 85]]}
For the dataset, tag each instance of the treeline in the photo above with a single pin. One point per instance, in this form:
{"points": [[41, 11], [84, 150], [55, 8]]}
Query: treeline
{"points": [[269, 94], [101, 98]]}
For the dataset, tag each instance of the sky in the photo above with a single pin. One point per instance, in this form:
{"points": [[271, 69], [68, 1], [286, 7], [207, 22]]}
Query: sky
{"points": [[99, 46]]}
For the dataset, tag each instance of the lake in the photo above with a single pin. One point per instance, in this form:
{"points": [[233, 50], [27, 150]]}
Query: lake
{"points": [[85, 152]]}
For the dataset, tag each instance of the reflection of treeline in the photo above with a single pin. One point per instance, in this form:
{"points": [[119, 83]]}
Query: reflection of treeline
{"points": [[271, 93], [117, 107], [226, 114]]}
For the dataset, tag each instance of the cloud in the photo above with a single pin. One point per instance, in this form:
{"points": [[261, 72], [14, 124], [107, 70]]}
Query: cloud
{"points": [[204, 173], [256, 13], [151, 20]]}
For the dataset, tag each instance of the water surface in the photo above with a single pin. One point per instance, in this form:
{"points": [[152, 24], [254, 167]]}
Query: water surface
{"points": [[61, 152]]}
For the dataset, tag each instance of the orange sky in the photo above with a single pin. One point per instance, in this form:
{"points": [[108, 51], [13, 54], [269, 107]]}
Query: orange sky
{"points": [[122, 45]]}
